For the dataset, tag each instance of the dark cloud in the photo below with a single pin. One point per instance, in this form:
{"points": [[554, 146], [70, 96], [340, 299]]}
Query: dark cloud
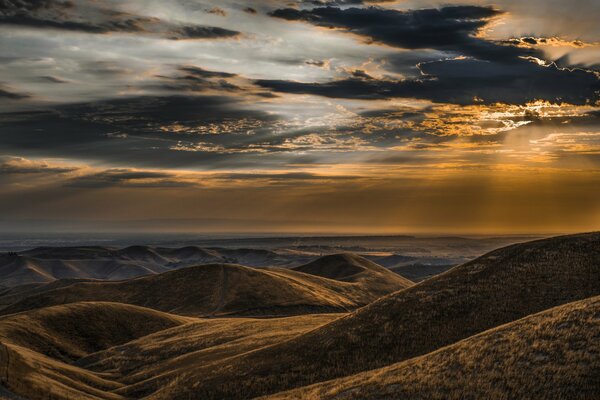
{"points": [[464, 81], [9, 94], [196, 79], [203, 73], [140, 131], [51, 79], [493, 72], [202, 32], [250, 10], [315, 63], [427, 28], [66, 15], [18, 165], [288, 176], [128, 178]]}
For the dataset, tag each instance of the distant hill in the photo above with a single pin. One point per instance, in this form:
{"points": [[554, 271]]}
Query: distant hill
{"points": [[227, 289], [358, 270], [497, 288], [553, 354], [47, 264]]}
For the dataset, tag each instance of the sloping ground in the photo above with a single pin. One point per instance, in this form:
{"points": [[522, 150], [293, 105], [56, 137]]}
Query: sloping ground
{"points": [[222, 289], [35, 377], [35, 347], [71, 331], [553, 354], [420, 272], [162, 355], [500, 287]]}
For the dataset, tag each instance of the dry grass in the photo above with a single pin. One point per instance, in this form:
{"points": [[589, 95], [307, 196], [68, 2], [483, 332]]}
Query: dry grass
{"points": [[37, 348], [417, 333], [72, 331], [114, 373], [553, 354], [228, 289], [495, 289]]}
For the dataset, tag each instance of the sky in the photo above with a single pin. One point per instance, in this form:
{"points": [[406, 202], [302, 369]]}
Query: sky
{"points": [[341, 116]]}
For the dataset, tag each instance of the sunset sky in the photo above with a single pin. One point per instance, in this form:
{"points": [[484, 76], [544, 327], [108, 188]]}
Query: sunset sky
{"points": [[342, 116]]}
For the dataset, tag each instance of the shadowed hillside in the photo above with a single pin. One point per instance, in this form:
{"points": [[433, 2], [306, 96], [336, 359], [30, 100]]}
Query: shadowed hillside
{"points": [[37, 347], [69, 332], [224, 289], [553, 354], [164, 355], [497, 288], [180, 343]]}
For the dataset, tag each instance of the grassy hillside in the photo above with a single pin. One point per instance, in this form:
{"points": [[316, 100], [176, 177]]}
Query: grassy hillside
{"points": [[497, 288], [71, 331], [224, 289], [553, 354], [160, 358], [105, 374]]}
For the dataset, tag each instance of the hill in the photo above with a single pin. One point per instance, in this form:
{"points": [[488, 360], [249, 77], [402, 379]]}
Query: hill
{"points": [[47, 264], [223, 289], [168, 354], [37, 347], [75, 330], [553, 354], [69, 332], [497, 288]]}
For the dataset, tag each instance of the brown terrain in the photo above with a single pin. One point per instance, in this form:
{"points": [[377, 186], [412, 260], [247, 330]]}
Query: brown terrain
{"points": [[521, 322]]}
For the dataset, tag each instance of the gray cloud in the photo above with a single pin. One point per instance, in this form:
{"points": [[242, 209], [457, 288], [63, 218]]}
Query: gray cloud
{"points": [[89, 17], [127, 178], [9, 94]]}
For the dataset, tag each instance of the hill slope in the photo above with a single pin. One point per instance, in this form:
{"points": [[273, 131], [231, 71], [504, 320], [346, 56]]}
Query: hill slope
{"points": [[101, 375], [553, 354], [497, 288], [71, 331], [355, 269], [222, 289]]}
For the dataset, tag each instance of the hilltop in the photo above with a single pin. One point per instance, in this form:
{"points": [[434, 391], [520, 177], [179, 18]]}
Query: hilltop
{"points": [[225, 289]]}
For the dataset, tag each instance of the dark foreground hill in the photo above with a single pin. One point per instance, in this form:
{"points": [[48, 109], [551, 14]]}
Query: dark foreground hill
{"points": [[228, 289], [78, 351], [553, 354], [497, 288], [71, 331]]}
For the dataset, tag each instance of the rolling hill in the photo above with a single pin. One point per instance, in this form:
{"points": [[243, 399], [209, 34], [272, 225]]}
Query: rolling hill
{"points": [[553, 354], [227, 289], [519, 322], [497, 288], [69, 332], [37, 348], [78, 351], [47, 264]]}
